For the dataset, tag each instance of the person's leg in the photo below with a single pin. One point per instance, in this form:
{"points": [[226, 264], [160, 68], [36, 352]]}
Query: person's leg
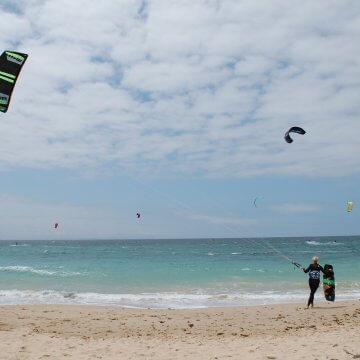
{"points": [[316, 286], [311, 297], [313, 287]]}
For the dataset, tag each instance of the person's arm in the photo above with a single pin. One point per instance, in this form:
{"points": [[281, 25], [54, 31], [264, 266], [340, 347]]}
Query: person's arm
{"points": [[307, 269], [322, 269]]}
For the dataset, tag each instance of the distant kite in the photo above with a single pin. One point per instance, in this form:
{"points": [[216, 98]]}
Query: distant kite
{"points": [[11, 63], [56, 225], [138, 215], [294, 129], [350, 206], [256, 199]]}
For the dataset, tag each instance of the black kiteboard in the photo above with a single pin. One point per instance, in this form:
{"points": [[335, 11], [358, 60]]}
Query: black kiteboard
{"points": [[329, 282]]}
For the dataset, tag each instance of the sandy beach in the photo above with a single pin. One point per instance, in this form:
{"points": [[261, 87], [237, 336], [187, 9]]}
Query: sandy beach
{"points": [[329, 331]]}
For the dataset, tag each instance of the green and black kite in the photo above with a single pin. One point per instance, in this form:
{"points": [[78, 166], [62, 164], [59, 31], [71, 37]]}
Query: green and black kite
{"points": [[11, 63]]}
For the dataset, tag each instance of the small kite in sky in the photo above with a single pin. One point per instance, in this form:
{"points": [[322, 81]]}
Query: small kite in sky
{"points": [[138, 215], [294, 129], [350, 206], [56, 225], [256, 199]]}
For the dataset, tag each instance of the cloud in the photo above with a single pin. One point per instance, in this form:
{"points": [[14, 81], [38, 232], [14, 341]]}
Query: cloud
{"points": [[223, 220], [205, 88], [297, 208], [30, 218]]}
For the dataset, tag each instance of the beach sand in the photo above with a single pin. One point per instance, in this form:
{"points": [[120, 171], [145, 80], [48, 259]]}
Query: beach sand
{"points": [[329, 331]]}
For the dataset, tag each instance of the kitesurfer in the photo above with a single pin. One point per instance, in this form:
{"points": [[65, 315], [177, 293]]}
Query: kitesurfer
{"points": [[314, 279]]}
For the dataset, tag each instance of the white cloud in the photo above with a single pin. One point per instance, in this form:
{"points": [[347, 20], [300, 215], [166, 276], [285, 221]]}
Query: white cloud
{"points": [[297, 208], [31, 218], [24, 218], [193, 87], [223, 220]]}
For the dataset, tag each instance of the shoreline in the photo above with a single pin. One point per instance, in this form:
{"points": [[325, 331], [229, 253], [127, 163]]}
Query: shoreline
{"points": [[246, 332], [165, 300], [189, 308]]}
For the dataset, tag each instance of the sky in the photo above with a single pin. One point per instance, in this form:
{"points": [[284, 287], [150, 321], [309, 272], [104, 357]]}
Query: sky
{"points": [[177, 110]]}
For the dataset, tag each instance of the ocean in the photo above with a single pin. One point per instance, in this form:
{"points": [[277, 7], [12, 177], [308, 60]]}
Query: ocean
{"points": [[184, 273]]}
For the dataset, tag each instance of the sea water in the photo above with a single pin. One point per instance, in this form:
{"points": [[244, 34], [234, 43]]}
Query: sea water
{"points": [[184, 273]]}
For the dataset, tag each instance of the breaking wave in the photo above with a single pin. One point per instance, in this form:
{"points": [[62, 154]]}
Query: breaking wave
{"points": [[160, 300], [29, 269], [317, 243]]}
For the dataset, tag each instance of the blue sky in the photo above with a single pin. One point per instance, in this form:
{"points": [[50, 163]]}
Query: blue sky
{"points": [[178, 110]]}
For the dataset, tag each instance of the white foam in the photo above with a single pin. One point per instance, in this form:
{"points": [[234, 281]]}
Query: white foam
{"points": [[24, 269], [317, 243], [29, 269], [161, 300]]}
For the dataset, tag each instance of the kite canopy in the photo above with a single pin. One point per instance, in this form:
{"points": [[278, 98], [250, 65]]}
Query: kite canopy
{"points": [[294, 129], [138, 215], [256, 199], [11, 63], [350, 206], [56, 225]]}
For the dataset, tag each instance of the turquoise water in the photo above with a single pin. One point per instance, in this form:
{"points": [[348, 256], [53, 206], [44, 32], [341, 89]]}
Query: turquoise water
{"points": [[172, 273]]}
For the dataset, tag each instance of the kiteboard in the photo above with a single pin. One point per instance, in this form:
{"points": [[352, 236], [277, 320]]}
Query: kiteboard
{"points": [[329, 282]]}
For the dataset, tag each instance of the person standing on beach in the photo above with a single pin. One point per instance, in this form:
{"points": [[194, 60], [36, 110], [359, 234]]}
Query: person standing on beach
{"points": [[314, 279]]}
